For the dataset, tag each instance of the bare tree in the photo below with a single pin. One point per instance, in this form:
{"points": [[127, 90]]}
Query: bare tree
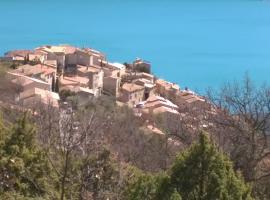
{"points": [[242, 124]]}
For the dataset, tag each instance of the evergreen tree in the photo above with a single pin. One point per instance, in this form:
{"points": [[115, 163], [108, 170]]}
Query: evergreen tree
{"points": [[53, 84], [204, 173], [24, 169], [151, 187], [56, 87], [144, 187], [199, 173], [175, 196]]}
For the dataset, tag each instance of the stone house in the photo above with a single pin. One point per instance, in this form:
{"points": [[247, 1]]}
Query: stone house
{"points": [[111, 85], [187, 100], [97, 56], [37, 56], [132, 94], [94, 74], [149, 87], [39, 71], [70, 83], [18, 55], [142, 65], [78, 57], [167, 89], [22, 83], [54, 53], [158, 105], [34, 96]]}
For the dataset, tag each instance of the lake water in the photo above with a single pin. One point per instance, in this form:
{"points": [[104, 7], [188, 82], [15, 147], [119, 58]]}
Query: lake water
{"points": [[194, 43]]}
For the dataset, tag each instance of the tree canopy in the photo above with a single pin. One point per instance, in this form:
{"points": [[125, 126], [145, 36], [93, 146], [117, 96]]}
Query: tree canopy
{"points": [[201, 172], [24, 169]]}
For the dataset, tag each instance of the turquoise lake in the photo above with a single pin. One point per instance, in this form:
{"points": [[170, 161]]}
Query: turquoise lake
{"points": [[193, 43]]}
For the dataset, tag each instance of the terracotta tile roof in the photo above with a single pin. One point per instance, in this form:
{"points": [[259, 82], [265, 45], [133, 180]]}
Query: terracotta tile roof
{"points": [[30, 70], [85, 69], [38, 52], [25, 80], [35, 91], [158, 105], [167, 85], [70, 49], [65, 49], [21, 53], [75, 80], [157, 100], [164, 109], [143, 81], [131, 87], [94, 52], [190, 97], [44, 96]]}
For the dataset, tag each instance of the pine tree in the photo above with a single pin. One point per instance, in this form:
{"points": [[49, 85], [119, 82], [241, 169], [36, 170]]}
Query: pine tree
{"points": [[204, 173], [24, 169], [143, 188], [175, 196], [56, 88], [199, 173]]}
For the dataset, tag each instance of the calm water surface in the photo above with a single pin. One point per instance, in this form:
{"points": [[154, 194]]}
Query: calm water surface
{"points": [[194, 43]]}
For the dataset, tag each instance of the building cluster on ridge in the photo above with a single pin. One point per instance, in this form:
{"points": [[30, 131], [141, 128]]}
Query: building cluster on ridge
{"points": [[47, 70]]}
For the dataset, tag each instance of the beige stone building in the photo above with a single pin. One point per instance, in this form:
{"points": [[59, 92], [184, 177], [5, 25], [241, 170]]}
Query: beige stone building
{"points": [[54, 53], [132, 94], [111, 85], [39, 71], [167, 89], [51, 63], [78, 57], [187, 100], [149, 87], [112, 77], [18, 55], [158, 105], [142, 65], [24, 82], [70, 83], [149, 77], [37, 56], [34, 96], [68, 57], [97, 56], [95, 76]]}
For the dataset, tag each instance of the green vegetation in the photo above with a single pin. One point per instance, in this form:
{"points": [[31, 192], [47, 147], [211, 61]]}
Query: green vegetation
{"points": [[64, 94], [24, 169], [201, 172], [32, 171], [102, 151]]}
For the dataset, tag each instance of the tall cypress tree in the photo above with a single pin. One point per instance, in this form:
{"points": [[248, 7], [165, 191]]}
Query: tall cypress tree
{"points": [[56, 89], [53, 84]]}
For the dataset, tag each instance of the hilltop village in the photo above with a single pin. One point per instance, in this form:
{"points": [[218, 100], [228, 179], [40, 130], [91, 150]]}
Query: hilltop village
{"points": [[94, 116], [43, 74]]}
